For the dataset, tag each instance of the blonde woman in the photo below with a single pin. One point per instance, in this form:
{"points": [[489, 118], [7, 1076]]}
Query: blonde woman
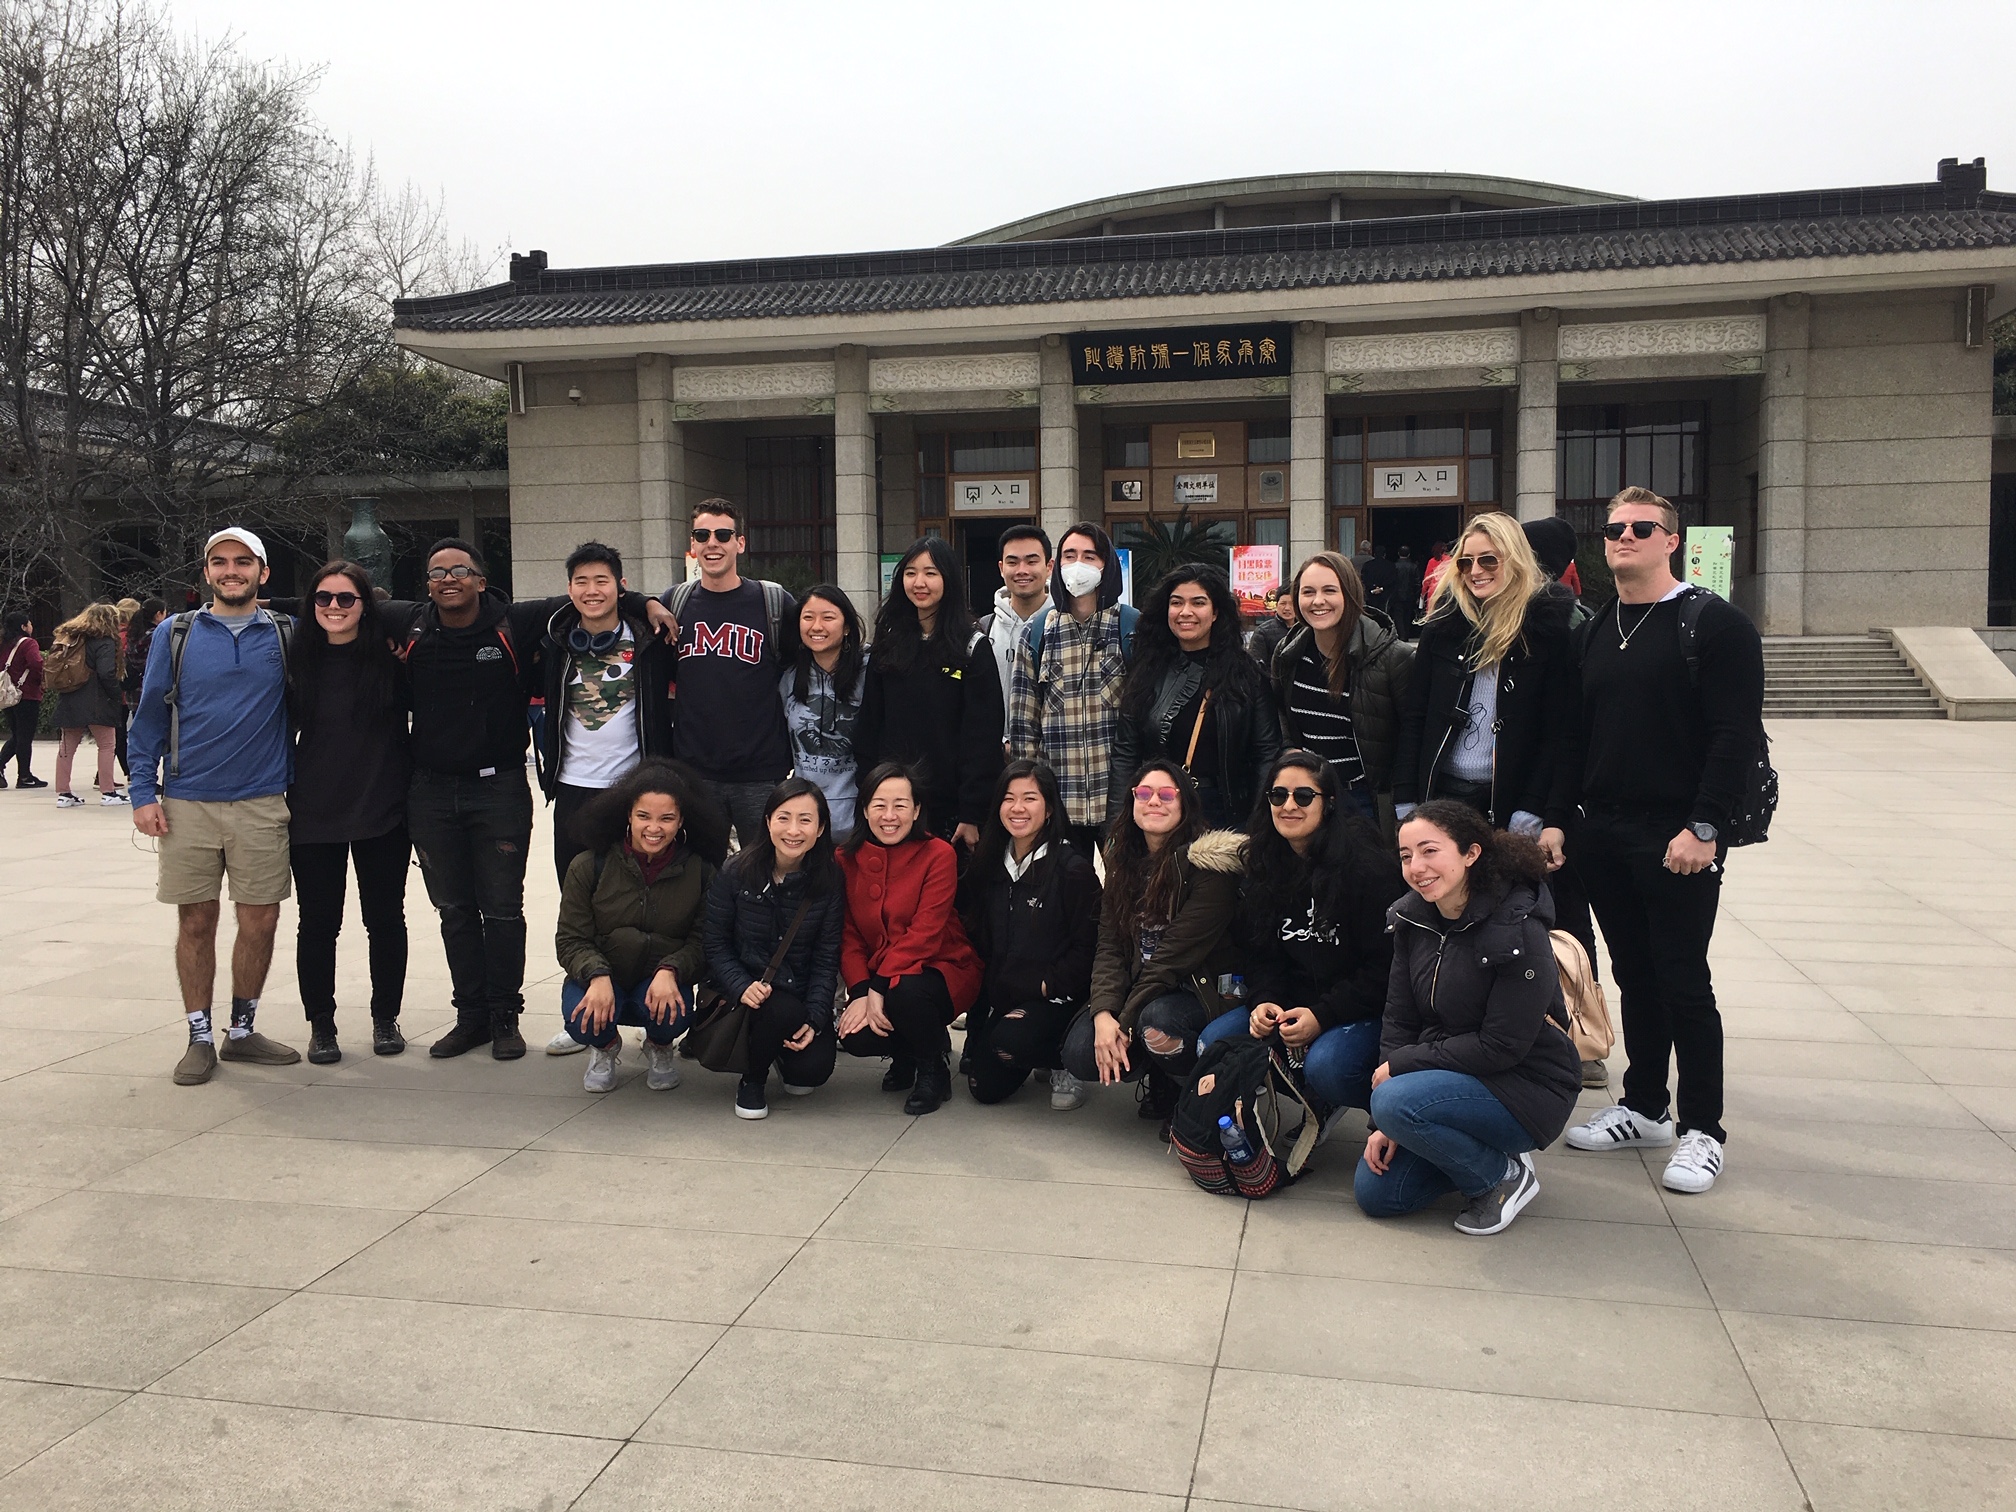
{"points": [[1492, 707], [95, 705]]}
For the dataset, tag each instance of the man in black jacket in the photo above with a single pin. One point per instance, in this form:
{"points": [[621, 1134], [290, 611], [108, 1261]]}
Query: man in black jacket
{"points": [[1667, 737]]}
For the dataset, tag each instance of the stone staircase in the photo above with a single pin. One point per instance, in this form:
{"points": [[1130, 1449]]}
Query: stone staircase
{"points": [[1842, 677]]}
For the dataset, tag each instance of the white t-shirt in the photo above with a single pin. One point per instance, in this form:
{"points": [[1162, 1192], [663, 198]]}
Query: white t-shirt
{"points": [[600, 741]]}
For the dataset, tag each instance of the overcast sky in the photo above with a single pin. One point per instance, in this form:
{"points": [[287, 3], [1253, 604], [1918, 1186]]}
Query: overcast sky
{"points": [[620, 132]]}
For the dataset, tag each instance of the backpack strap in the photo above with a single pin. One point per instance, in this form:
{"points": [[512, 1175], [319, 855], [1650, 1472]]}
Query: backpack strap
{"points": [[773, 606], [1130, 618], [1693, 603], [178, 642]]}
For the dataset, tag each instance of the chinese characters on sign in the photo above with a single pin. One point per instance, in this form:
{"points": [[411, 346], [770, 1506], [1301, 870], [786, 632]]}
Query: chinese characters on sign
{"points": [[1196, 488], [1256, 572], [1710, 549], [1179, 355], [992, 495], [1433, 480]]}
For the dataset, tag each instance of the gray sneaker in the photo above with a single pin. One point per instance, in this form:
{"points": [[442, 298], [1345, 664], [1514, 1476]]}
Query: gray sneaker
{"points": [[564, 1043], [1595, 1074], [601, 1073], [1066, 1091], [662, 1067], [1493, 1212]]}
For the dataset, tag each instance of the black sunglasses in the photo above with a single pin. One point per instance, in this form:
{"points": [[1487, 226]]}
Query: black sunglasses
{"points": [[1485, 560], [1642, 529], [1303, 796], [335, 600], [724, 535]]}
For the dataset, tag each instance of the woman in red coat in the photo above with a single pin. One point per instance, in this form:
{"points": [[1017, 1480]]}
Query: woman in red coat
{"points": [[908, 965]]}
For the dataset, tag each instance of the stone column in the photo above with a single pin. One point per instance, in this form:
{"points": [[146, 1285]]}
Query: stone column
{"points": [[1539, 386], [1057, 440], [1781, 467], [1308, 446], [899, 482], [854, 531], [661, 465]]}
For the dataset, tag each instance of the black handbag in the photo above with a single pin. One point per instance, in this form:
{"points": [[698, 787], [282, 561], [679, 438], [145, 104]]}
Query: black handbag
{"points": [[720, 1041]]}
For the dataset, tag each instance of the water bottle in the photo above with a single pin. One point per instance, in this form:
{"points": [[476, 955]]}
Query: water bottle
{"points": [[1238, 1149]]}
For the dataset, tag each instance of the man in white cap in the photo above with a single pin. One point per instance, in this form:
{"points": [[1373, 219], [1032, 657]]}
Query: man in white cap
{"points": [[213, 707]]}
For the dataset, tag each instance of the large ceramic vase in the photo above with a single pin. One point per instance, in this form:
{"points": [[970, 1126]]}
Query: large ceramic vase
{"points": [[366, 543]]}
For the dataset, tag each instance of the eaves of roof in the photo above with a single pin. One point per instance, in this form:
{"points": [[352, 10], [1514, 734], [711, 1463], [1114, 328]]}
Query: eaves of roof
{"points": [[1901, 219]]}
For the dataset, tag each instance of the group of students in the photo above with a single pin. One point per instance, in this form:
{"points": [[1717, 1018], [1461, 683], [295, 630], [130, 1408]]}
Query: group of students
{"points": [[93, 670], [1354, 852]]}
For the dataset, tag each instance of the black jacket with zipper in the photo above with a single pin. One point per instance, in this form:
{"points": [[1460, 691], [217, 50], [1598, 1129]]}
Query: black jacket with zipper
{"points": [[1037, 936], [1539, 692], [1481, 995], [1378, 666], [652, 673], [943, 718], [1242, 713], [747, 916]]}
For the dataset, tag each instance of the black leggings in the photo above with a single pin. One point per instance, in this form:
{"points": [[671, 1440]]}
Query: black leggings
{"points": [[1007, 1045], [20, 747], [320, 875], [780, 1017], [919, 1008]]}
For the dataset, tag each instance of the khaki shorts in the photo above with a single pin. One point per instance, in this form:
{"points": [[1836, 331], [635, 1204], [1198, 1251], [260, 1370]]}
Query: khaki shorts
{"points": [[245, 839]]}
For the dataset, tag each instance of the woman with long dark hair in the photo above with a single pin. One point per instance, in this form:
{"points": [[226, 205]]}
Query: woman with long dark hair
{"points": [[933, 693], [21, 660], [1195, 698], [822, 698], [1312, 928], [630, 936], [909, 967], [784, 887], [1476, 1069], [1171, 892], [1031, 905], [347, 803]]}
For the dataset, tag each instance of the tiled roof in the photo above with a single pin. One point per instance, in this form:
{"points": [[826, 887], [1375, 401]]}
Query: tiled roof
{"points": [[1902, 219]]}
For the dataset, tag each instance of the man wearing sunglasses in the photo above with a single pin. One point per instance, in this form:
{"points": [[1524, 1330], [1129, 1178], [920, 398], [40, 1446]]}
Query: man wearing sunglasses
{"points": [[1664, 752]]}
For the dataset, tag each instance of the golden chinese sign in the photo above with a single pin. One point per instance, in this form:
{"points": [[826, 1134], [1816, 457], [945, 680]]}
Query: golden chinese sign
{"points": [[1180, 355]]}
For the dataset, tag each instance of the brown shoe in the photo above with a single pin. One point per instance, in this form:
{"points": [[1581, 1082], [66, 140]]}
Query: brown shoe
{"points": [[198, 1064], [259, 1050]]}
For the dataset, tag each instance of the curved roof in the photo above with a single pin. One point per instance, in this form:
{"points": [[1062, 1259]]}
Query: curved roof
{"points": [[1286, 198]]}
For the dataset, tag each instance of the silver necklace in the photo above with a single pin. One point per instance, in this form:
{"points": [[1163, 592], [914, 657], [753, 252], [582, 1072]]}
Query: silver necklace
{"points": [[1624, 636]]}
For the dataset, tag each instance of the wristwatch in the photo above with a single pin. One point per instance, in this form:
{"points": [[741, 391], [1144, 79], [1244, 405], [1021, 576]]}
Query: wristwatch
{"points": [[1705, 832]]}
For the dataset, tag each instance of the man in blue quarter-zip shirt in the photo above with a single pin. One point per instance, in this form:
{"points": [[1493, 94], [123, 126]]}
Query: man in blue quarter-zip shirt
{"points": [[213, 705]]}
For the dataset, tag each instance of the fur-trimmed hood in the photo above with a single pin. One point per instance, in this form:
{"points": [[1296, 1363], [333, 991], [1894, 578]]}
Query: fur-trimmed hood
{"points": [[1219, 851]]}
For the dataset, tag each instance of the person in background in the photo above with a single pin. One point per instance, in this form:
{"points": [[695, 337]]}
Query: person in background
{"points": [[223, 808], [908, 965], [347, 803], [1431, 575], [1064, 697], [1172, 891], [933, 697], [1406, 594], [630, 933], [1381, 579], [1340, 680], [1031, 906], [130, 629], [1193, 697], [1024, 592], [1665, 752], [96, 706], [751, 910], [1477, 1070], [1312, 933], [822, 699], [1554, 545], [1273, 629], [21, 660]]}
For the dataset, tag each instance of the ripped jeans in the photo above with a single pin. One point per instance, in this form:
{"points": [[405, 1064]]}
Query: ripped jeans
{"points": [[471, 835]]}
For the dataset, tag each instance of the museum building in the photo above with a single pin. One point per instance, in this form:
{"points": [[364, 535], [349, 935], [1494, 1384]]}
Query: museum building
{"points": [[1304, 360]]}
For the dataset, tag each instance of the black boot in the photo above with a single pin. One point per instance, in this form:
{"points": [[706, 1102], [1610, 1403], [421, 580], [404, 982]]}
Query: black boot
{"points": [[467, 1034], [1158, 1098], [934, 1085], [322, 1047], [506, 1043], [386, 1038], [901, 1073]]}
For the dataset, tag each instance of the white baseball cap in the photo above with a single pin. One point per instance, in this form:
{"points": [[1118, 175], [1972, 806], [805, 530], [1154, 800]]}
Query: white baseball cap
{"points": [[233, 533]]}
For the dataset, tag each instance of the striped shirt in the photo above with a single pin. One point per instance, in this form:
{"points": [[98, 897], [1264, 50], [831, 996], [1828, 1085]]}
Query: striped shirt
{"points": [[1325, 722]]}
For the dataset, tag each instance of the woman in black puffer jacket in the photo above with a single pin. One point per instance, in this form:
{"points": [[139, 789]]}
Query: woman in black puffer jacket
{"points": [[1478, 1070], [749, 911]]}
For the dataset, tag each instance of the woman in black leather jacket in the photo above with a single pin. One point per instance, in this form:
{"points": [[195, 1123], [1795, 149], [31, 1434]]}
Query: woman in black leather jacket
{"points": [[1194, 697]]}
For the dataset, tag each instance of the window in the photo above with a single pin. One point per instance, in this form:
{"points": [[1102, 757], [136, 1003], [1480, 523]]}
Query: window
{"points": [[1471, 435], [1602, 448], [790, 509], [1267, 441], [993, 451], [1127, 446], [1393, 437]]}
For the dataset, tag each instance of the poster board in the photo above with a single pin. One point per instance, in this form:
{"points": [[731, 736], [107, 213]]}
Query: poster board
{"points": [[1256, 572], [1710, 557]]}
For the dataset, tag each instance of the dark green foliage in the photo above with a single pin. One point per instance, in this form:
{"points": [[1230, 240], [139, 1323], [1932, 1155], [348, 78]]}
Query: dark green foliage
{"points": [[394, 418]]}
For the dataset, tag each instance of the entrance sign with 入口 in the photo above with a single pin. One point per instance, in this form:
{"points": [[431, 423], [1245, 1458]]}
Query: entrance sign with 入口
{"points": [[1256, 572], [992, 495], [1417, 480], [1710, 554], [1180, 354], [1196, 488]]}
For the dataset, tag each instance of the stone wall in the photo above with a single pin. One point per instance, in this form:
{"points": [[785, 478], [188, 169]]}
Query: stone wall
{"points": [[573, 473]]}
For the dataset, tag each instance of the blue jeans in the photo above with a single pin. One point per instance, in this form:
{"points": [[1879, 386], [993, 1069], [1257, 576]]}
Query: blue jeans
{"points": [[1453, 1134], [630, 1010], [1337, 1067]]}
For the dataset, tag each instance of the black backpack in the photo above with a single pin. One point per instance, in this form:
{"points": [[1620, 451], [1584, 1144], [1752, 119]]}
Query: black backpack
{"points": [[1245, 1079]]}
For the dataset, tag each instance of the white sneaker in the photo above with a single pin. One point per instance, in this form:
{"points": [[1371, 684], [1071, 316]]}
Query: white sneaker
{"points": [[1695, 1165], [601, 1073], [791, 1091], [662, 1063], [1617, 1127], [69, 800], [114, 799], [1066, 1091], [564, 1043]]}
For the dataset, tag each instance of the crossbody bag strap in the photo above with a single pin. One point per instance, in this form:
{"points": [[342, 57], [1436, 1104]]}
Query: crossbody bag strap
{"points": [[783, 945], [1196, 729]]}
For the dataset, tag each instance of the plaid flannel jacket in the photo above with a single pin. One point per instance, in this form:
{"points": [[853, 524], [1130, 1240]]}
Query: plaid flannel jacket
{"points": [[1065, 711]]}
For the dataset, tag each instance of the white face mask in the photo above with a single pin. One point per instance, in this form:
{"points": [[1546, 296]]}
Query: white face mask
{"points": [[1082, 577]]}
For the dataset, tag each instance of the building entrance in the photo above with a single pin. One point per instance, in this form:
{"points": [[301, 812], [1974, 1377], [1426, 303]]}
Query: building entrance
{"points": [[1418, 528], [980, 550]]}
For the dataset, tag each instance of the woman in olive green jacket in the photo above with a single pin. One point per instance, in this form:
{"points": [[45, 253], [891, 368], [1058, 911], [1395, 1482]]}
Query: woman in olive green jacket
{"points": [[631, 914]]}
